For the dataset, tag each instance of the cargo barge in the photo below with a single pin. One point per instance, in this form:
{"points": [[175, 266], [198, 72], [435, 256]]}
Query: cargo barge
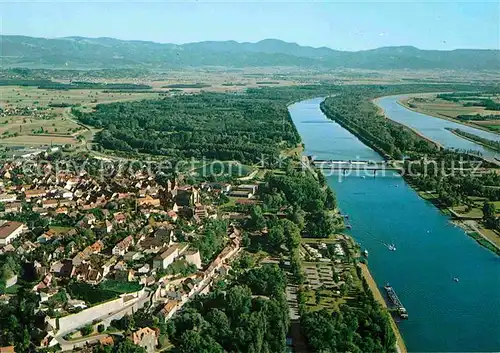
{"points": [[396, 303]]}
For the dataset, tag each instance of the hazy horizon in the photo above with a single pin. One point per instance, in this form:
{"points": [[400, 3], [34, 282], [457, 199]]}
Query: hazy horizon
{"points": [[242, 42], [336, 25]]}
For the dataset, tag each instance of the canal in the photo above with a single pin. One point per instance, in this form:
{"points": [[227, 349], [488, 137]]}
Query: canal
{"points": [[435, 128], [444, 315]]}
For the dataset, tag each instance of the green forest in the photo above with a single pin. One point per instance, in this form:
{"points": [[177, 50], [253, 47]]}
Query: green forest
{"points": [[215, 126], [251, 315]]}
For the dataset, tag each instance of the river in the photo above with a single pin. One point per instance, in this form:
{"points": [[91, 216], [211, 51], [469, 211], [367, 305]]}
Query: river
{"points": [[435, 128], [444, 315]]}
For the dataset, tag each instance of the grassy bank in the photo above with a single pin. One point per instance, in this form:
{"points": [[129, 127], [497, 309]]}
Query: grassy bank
{"points": [[401, 347], [489, 144], [405, 103]]}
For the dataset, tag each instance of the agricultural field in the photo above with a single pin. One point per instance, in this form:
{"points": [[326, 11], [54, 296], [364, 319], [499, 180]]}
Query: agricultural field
{"points": [[41, 117], [16, 96], [465, 110]]}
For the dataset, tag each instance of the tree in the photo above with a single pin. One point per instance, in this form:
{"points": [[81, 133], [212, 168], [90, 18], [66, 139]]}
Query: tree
{"points": [[320, 224], [127, 346], [194, 342], [292, 234], [298, 217], [87, 330], [489, 214], [276, 236], [257, 220]]}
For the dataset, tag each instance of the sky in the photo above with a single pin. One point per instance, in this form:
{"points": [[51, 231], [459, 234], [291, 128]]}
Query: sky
{"points": [[342, 25]]}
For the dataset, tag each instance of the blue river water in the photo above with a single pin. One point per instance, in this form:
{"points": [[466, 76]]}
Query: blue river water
{"points": [[444, 315], [435, 128]]}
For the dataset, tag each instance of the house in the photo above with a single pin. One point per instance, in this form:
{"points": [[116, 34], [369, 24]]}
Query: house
{"points": [[146, 338], [166, 258], [165, 233], [223, 187], [9, 231], [13, 207], [9, 282], [31, 194], [86, 273], [108, 225], [173, 215], [89, 250], [106, 341], [169, 309], [132, 256], [148, 201], [121, 247], [62, 210], [152, 245], [143, 269], [49, 204], [119, 218], [251, 188], [7, 349], [7, 248], [46, 237], [45, 283], [5, 198], [200, 211], [193, 257], [67, 195], [26, 247], [246, 202], [241, 193]]}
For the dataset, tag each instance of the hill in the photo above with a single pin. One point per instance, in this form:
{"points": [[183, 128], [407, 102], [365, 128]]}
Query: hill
{"points": [[80, 52]]}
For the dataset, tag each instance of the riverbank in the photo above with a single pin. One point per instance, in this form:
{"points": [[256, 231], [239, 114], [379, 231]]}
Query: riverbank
{"points": [[478, 141], [485, 237], [418, 133], [404, 103], [481, 238], [431, 252], [400, 344]]}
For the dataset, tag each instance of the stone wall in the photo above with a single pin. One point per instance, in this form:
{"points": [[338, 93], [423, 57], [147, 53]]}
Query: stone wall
{"points": [[98, 312]]}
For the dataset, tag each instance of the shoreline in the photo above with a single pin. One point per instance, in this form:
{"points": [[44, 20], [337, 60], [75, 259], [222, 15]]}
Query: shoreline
{"points": [[436, 115], [472, 228], [472, 140], [437, 144], [400, 344], [416, 132], [441, 209]]}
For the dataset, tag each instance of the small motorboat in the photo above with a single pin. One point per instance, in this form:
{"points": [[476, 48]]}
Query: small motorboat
{"points": [[391, 247], [455, 279], [365, 253]]}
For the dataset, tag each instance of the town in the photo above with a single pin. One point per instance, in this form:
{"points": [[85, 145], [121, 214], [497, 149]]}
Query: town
{"points": [[103, 250]]}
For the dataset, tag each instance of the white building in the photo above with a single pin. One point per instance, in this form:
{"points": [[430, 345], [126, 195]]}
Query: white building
{"points": [[8, 198], [10, 231], [193, 257], [166, 258]]}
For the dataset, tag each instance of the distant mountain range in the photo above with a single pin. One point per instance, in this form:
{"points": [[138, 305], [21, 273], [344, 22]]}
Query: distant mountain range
{"points": [[79, 52]]}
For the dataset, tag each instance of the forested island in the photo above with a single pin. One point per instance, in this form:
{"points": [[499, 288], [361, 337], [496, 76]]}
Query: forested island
{"points": [[210, 125]]}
